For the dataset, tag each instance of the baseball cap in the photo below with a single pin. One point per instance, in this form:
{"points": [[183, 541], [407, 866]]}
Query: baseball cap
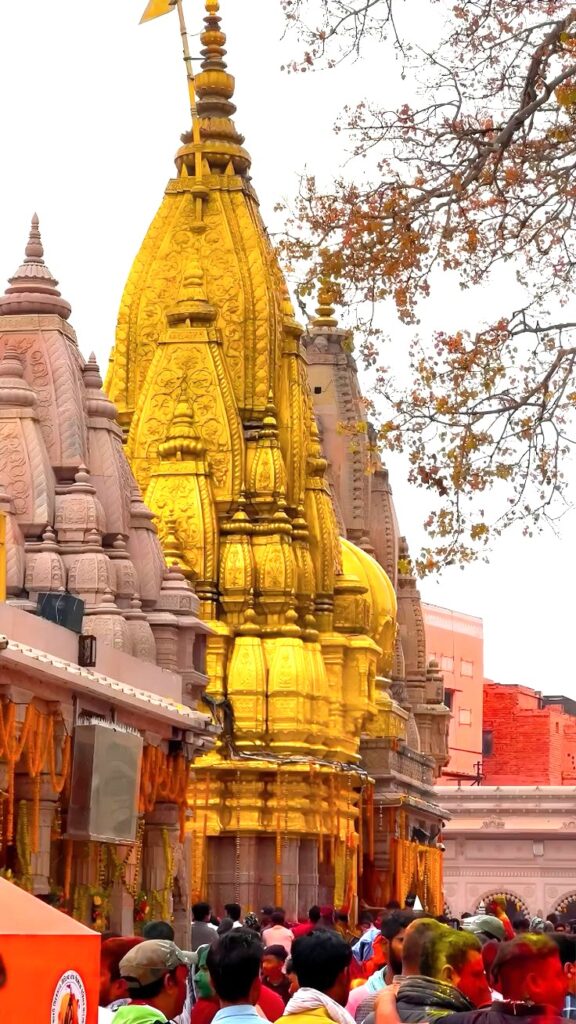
{"points": [[485, 927], [148, 961]]}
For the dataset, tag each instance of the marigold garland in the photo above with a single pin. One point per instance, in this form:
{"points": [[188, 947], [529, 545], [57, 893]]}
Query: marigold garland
{"points": [[35, 739], [164, 777]]}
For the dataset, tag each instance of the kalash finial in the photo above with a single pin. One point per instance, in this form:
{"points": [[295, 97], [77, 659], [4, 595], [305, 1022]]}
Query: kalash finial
{"points": [[325, 309], [34, 251], [221, 142]]}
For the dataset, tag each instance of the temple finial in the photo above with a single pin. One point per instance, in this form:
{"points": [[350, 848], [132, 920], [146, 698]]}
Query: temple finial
{"points": [[34, 251], [325, 308], [221, 143], [33, 289]]}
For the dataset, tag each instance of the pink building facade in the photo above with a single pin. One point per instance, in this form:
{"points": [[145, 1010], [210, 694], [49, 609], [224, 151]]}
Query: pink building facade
{"points": [[456, 642]]}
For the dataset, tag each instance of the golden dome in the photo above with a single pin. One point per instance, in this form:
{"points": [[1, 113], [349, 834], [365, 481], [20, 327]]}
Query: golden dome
{"points": [[381, 597]]}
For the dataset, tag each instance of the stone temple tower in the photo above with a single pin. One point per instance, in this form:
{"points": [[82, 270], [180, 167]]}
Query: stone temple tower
{"points": [[210, 378]]}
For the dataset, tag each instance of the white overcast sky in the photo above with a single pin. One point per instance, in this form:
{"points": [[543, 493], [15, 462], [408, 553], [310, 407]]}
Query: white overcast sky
{"points": [[93, 107]]}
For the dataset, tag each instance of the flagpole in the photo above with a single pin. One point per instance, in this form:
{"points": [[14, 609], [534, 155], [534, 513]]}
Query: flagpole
{"points": [[191, 88]]}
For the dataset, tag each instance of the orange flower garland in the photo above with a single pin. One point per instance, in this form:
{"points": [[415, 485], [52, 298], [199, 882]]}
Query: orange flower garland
{"points": [[34, 737]]}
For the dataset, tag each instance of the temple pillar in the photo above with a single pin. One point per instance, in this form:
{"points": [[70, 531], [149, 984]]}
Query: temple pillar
{"points": [[165, 631], [308, 878], [158, 861], [121, 910], [40, 860], [121, 900]]}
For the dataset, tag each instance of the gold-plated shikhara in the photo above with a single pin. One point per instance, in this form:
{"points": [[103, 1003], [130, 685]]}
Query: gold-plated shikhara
{"points": [[210, 380]]}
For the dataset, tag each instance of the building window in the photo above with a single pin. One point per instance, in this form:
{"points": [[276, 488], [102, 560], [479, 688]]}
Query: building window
{"points": [[317, 389], [487, 742], [466, 668], [446, 664], [465, 716], [449, 699]]}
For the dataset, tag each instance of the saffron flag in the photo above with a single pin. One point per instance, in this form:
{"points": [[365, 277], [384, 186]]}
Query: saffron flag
{"points": [[156, 8]]}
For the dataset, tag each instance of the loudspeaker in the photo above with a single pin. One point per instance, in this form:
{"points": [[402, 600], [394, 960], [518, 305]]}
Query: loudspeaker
{"points": [[105, 784], [62, 608]]}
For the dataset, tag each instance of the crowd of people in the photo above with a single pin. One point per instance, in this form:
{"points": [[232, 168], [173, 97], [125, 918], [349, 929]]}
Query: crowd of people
{"points": [[398, 967]]}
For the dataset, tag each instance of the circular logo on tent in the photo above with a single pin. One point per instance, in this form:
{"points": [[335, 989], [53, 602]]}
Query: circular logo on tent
{"points": [[69, 1000]]}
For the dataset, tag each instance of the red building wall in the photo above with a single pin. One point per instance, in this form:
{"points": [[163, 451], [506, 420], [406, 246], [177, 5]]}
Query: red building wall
{"points": [[529, 744]]}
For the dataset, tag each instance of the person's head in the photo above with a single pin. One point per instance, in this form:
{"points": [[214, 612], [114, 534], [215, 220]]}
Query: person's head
{"points": [[485, 927], [567, 952], [528, 968], [251, 922], [342, 918], [321, 960], [226, 924], [156, 973], [233, 911], [201, 912], [521, 925], [273, 961], [393, 905], [314, 914], [554, 919], [455, 957], [291, 975], [393, 929], [278, 917], [234, 964], [416, 937], [201, 976], [365, 920], [327, 915], [158, 930], [112, 986]]}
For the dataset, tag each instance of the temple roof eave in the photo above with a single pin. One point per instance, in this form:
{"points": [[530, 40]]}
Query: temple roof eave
{"points": [[58, 670]]}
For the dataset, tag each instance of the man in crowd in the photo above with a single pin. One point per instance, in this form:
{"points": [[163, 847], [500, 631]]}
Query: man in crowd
{"points": [[113, 988], [485, 927], [203, 933], [158, 930], [393, 929], [362, 950], [307, 926], [444, 973], [234, 912], [321, 962], [277, 934], [567, 951], [529, 973], [234, 965], [274, 973], [156, 975]]}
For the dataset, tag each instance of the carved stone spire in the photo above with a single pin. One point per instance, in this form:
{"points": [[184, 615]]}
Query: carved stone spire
{"points": [[33, 289]]}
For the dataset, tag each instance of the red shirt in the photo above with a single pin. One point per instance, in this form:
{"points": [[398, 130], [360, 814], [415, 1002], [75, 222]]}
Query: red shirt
{"points": [[271, 1004], [302, 929]]}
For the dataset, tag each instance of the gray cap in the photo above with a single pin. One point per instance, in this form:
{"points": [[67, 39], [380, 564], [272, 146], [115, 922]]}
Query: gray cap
{"points": [[148, 961], [485, 927]]}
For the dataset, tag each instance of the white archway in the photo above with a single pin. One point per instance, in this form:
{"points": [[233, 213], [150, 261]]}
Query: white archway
{"points": [[515, 905]]}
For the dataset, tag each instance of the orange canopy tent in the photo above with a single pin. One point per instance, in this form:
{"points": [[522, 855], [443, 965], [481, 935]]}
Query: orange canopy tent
{"points": [[50, 964]]}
